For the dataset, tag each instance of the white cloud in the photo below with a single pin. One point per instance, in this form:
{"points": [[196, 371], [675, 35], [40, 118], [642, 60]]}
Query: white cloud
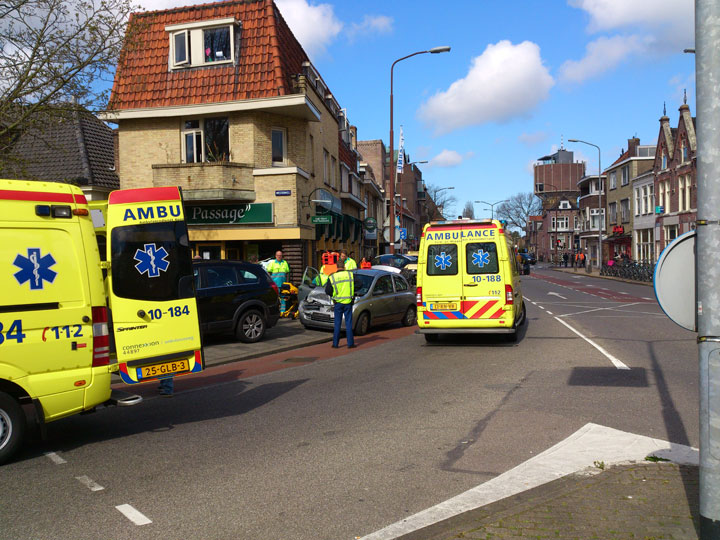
{"points": [[449, 158], [531, 139], [371, 24], [504, 82], [601, 55], [314, 26]]}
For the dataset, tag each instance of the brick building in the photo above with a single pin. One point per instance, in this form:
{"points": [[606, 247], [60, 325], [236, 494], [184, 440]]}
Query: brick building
{"points": [[632, 162], [675, 183], [222, 100]]}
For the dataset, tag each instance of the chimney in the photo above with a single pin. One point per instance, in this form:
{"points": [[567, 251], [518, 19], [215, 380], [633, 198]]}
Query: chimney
{"points": [[632, 146]]}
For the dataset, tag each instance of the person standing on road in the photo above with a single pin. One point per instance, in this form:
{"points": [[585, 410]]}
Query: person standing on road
{"points": [[341, 286], [279, 269], [350, 264], [565, 259]]}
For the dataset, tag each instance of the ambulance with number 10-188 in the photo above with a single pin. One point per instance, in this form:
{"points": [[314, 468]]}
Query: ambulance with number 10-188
{"points": [[468, 280]]}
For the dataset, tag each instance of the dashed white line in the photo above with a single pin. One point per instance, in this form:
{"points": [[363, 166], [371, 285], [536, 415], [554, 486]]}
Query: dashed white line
{"points": [[89, 483], [57, 460], [549, 312], [644, 298], [133, 515], [617, 363]]}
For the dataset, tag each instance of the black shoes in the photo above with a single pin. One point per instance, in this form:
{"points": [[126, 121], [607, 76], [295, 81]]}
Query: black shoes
{"points": [[352, 346]]}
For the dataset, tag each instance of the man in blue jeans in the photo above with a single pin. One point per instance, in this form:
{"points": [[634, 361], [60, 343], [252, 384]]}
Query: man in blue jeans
{"points": [[341, 286]]}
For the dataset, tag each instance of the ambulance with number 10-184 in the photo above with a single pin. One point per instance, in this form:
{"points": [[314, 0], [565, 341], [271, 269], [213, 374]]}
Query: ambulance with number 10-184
{"points": [[468, 280]]}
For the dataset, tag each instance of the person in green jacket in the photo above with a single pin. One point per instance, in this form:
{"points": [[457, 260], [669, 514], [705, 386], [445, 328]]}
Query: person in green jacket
{"points": [[350, 264], [279, 269]]}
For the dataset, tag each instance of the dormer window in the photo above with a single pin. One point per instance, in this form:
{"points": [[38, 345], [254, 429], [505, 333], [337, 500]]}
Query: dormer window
{"points": [[202, 43], [564, 205]]}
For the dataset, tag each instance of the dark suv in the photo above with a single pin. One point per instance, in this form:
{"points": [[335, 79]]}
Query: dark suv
{"points": [[236, 297]]}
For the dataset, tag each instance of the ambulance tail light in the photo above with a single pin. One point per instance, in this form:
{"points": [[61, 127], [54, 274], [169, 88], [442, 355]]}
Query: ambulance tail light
{"points": [[418, 297], [101, 337], [508, 295]]}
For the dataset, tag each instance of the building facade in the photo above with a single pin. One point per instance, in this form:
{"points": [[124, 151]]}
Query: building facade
{"points": [[644, 217], [223, 101], [591, 216], [632, 162], [675, 183]]}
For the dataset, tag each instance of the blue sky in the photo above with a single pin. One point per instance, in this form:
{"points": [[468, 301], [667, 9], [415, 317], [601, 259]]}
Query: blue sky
{"points": [[522, 76]]}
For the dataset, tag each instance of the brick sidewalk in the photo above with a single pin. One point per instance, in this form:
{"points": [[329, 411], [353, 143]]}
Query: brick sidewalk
{"points": [[650, 501]]}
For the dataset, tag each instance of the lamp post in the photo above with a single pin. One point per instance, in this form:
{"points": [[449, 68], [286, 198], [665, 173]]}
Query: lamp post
{"points": [[492, 206], [434, 50], [600, 205], [443, 206]]}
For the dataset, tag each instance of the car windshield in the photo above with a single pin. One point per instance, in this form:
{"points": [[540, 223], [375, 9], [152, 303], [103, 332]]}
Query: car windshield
{"points": [[362, 284], [396, 261]]}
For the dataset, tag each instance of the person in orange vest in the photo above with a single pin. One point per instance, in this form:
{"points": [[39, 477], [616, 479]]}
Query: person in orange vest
{"points": [[365, 264]]}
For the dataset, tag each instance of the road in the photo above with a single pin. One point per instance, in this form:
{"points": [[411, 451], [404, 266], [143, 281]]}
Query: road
{"points": [[336, 447]]}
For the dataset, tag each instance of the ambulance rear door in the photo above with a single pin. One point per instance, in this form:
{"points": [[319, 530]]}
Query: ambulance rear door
{"points": [[483, 285], [150, 285], [442, 288]]}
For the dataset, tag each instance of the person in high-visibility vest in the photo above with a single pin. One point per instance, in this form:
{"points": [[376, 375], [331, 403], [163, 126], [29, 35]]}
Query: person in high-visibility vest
{"points": [[350, 264], [322, 278], [279, 269], [341, 286]]}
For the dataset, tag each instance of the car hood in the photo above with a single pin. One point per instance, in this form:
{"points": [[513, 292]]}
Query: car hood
{"points": [[318, 295]]}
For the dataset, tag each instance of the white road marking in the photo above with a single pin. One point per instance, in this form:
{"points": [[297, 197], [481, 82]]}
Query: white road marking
{"points": [[89, 483], [541, 308], [617, 363], [599, 309], [57, 460], [579, 452], [644, 298], [549, 312], [133, 515], [556, 294]]}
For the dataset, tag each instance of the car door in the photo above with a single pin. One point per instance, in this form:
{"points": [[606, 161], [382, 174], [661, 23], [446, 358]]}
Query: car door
{"points": [[442, 286], [309, 282], [400, 297], [150, 285], [220, 296], [381, 302]]}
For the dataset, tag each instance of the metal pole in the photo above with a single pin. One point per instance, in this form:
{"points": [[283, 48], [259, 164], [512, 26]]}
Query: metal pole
{"points": [[600, 211], [707, 82], [392, 166]]}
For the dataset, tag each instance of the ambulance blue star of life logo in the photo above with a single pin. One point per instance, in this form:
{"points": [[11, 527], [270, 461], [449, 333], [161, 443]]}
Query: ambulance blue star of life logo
{"points": [[151, 260], [443, 261], [481, 258], [35, 268]]}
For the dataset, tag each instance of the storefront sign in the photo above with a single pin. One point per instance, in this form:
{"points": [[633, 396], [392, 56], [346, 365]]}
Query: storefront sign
{"points": [[321, 220], [282, 193], [370, 224], [659, 209], [618, 229], [230, 214]]}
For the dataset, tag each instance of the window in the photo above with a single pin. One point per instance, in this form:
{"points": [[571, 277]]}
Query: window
{"points": [[442, 260], [644, 245], [564, 205], [217, 44], [400, 284], [202, 43], [664, 161], [326, 167], [311, 157], [181, 48], [333, 172], [206, 140], [638, 200], [383, 286], [671, 232], [625, 171], [613, 180], [279, 146], [681, 193], [576, 223], [688, 200], [481, 258], [625, 210], [612, 213], [221, 276], [685, 152]]}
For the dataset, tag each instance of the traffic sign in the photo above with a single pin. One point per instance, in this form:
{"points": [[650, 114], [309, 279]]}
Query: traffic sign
{"points": [[321, 220], [403, 234], [674, 280]]}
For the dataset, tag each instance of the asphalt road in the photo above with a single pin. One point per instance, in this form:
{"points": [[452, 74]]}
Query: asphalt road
{"points": [[343, 445]]}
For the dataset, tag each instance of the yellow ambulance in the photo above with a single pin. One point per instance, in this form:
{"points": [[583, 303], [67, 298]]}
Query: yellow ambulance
{"points": [[468, 280], [57, 353]]}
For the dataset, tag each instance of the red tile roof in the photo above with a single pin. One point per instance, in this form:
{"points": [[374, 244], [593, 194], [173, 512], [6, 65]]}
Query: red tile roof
{"points": [[269, 56], [625, 155]]}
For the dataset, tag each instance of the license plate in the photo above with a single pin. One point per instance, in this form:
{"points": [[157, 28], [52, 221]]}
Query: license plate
{"points": [[443, 306], [165, 369]]}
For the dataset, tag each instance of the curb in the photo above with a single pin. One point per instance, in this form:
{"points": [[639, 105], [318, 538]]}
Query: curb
{"points": [[611, 278], [269, 352]]}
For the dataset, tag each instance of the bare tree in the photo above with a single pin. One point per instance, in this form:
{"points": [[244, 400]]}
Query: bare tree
{"points": [[518, 208], [443, 199], [56, 57], [468, 210]]}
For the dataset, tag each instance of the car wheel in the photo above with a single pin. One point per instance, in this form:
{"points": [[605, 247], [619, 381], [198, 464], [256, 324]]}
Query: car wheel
{"points": [[431, 338], [363, 324], [12, 426], [251, 327], [410, 316]]}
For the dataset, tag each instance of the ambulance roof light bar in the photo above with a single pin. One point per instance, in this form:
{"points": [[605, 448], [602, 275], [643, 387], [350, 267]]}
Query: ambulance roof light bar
{"points": [[483, 221]]}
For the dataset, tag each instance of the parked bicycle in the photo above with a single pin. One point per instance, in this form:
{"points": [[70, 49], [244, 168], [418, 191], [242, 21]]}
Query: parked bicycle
{"points": [[634, 271]]}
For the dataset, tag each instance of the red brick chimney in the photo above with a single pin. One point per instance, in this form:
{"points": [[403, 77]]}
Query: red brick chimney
{"points": [[632, 146]]}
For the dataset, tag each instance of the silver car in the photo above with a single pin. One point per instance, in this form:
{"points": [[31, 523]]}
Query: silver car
{"points": [[381, 297]]}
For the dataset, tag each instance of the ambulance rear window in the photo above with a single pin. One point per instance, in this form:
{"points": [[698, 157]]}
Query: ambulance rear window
{"points": [[442, 260], [151, 261], [481, 258]]}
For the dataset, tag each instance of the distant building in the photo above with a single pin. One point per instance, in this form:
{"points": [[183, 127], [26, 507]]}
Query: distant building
{"points": [[591, 216]]}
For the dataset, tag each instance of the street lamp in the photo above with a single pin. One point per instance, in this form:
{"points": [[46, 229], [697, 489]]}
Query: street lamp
{"points": [[492, 206], [600, 205], [435, 201], [434, 50]]}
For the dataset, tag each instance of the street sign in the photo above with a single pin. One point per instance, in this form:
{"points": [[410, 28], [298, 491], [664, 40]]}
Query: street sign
{"points": [[403, 234], [659, 209], [282, 192], [321, 220], [674, 280]]}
